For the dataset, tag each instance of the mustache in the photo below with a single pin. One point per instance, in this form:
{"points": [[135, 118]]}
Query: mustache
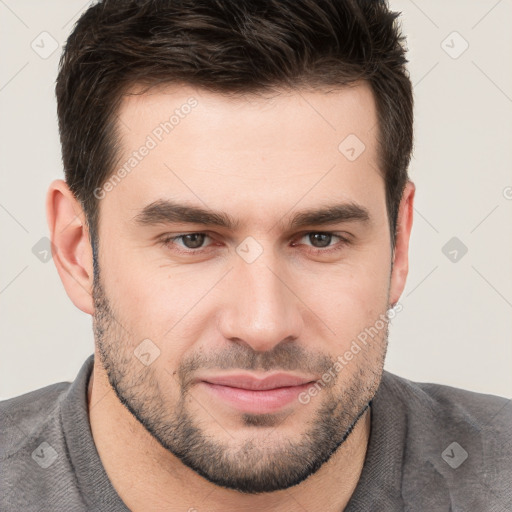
{"points": [[284, 356]]}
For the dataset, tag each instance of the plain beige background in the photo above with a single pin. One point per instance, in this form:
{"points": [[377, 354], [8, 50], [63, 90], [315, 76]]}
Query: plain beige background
{"points": [[456, 323]]}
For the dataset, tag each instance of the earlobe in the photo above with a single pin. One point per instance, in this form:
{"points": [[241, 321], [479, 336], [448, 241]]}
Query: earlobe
{"points": [[401, 252], [70, 236]]}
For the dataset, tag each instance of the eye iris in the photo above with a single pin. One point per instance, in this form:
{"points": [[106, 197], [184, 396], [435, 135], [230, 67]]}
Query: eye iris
{"points": [[196, 239], [325, 239]]}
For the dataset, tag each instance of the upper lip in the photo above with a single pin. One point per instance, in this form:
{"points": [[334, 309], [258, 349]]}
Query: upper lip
{"points": [[245, 381]]}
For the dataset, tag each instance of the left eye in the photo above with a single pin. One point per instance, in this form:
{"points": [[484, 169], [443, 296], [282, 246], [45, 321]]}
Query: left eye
{"points": [[190, 240], [320, 239]]}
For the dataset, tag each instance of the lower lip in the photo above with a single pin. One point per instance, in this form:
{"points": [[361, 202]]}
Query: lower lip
{"points": [[257, 401]]}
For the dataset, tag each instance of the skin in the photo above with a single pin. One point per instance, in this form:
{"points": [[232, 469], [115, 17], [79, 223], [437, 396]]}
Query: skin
{"points": [[260, 160]]}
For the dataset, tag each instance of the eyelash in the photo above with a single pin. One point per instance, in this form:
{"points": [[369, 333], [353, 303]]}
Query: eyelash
{"points": [[168, 240]]}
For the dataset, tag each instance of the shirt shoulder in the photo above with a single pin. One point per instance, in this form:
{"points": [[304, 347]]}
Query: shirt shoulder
{"points": [[456, 441], [35, 468], [447, 404], [23, 416]]}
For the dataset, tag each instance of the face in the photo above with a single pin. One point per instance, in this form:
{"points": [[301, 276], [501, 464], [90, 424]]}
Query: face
{"points": [[242, 257]]}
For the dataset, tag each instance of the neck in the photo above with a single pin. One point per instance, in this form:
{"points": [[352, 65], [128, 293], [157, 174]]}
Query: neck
{"points": [[148, 477]]}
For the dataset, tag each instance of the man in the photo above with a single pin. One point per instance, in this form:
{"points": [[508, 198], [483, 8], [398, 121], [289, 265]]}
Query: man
{"points": [[236, 218]]}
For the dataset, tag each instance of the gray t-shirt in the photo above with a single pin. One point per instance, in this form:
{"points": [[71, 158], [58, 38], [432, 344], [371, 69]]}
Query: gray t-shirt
{"points": [[432, 448]]}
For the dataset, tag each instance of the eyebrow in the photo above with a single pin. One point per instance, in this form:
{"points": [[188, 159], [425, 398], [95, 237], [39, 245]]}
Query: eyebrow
{"points": [[164, 211]]}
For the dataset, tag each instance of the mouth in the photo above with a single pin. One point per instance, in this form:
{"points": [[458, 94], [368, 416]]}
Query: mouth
{"points": [[253, 395]]}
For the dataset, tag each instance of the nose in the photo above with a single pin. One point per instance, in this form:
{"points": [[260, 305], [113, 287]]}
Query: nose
{"points": [[262, 308]]}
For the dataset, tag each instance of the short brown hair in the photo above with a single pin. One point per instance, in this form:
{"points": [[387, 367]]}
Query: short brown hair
{"points": [[227, 46]]}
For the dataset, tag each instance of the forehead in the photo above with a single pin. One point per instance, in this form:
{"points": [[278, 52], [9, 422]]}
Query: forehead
{"points": [[284, 118], [253, 150]]}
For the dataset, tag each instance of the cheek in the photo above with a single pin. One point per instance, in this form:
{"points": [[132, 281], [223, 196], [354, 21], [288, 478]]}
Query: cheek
{"points": [[349, 299], [157, 303]]}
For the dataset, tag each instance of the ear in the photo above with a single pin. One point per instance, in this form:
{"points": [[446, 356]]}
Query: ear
{"points": [[73, 252], [401, 251]]}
